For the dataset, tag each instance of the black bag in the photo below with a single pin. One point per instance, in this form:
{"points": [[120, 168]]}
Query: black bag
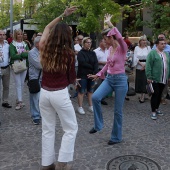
{"points": [[34, 85]]}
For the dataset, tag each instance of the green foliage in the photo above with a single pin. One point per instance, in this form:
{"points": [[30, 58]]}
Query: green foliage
{"points": [[91, 13], [5, 15], [47, 10], [160, 16]]}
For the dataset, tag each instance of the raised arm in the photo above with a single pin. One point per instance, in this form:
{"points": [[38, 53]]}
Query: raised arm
{"points": [[114, 31], [67, 12]]}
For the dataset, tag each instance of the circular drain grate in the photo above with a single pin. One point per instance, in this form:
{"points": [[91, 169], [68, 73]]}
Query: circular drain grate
{"points": [[132, 162]]}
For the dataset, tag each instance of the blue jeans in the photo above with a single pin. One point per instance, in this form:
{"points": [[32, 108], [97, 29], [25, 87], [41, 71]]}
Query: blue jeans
{"points": [[117, 83], [86, 84], [34, 105]]}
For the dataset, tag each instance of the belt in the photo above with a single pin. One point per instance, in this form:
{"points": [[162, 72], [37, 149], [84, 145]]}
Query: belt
{"points": [[5, 67], [142, 60], [53, 89]]}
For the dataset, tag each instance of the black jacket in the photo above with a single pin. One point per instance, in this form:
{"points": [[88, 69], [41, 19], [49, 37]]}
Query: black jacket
{"points": [[87, 63]]}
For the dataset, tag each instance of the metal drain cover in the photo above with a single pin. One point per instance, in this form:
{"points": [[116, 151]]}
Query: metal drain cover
{"points": [[132, 162]]}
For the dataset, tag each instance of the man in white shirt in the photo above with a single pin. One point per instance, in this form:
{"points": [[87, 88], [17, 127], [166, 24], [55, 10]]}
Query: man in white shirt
{"points": [[5, 69], [101, 53], [77, 48]]}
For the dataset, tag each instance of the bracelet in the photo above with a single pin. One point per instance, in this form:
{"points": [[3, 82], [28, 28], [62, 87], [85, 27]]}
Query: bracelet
{"points": [[62, 16]]}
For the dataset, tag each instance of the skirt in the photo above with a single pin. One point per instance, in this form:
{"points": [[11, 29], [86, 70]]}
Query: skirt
{"points": [[140, 81]]}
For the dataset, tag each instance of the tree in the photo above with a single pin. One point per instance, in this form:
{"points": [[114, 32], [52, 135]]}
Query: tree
{"points": [[91, 13], [46, 10], [160, 14], [5, 15]]}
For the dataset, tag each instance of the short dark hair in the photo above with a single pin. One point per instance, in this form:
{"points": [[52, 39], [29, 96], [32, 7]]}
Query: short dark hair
{"points": [[158, 40]]}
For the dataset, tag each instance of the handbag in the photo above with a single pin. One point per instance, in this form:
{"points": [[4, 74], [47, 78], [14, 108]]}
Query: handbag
{"points": [[149, 89], [19, 66], [34, 85]]}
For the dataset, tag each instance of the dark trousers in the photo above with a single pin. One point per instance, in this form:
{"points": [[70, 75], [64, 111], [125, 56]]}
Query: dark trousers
{"points": [[156, 96]]}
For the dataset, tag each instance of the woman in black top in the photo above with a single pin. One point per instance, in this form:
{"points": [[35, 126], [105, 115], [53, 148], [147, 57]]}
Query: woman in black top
{"points": [[87, 64]]}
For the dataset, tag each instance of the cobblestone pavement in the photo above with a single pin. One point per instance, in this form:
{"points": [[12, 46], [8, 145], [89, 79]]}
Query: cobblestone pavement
{"points": [[20, 140]]}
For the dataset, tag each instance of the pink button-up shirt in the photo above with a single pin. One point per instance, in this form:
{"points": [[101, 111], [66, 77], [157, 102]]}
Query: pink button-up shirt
{"points": [[115, 63]]}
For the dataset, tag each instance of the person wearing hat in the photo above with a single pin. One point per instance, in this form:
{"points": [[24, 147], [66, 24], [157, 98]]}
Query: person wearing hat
{"points": [[116, 80], [140, 54]]}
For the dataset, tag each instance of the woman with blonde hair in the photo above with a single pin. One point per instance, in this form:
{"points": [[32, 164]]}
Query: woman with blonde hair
{"points": [[140, 54], [58, 67], [19, 52], [87, 64]]}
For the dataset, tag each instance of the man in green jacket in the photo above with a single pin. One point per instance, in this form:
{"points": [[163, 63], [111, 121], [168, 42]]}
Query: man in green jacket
{"points": [[158, 73]]}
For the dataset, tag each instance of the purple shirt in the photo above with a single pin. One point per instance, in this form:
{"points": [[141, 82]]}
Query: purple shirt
{"points": [[115, 63]]}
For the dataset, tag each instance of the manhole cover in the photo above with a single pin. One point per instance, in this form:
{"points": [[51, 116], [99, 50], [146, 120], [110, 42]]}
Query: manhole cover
{"points": [[132, 162]]}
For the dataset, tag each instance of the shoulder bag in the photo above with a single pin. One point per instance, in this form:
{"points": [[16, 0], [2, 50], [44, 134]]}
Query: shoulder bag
{"points": [[19, 66], [34, 84]]}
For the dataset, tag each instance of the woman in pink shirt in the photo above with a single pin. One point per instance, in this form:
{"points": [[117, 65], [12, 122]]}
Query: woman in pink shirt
{"points": [[116, 80]]}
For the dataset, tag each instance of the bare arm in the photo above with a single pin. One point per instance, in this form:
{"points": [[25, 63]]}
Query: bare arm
{"points": [[67, 12]]}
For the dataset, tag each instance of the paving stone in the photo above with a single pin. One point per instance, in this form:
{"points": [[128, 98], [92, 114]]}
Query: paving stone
{"points": [[20, 140]]}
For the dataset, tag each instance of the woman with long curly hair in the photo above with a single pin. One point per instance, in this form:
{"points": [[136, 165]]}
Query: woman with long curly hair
{"points": [[57, 59]]}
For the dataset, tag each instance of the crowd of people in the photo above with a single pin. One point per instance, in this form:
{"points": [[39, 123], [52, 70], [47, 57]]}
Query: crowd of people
{"points": [[53, 62]]}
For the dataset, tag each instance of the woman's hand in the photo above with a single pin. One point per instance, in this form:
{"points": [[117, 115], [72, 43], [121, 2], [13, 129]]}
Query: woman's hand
{"points": [[149, 81], [94, 77], [69, 11], [107, 19]]}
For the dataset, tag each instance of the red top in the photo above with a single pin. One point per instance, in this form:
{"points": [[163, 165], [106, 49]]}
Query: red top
{"points": [[10, 40], [127, 42], [53, 81]]}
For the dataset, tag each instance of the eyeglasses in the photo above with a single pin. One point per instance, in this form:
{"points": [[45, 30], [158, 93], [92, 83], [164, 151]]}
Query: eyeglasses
{"points": [[2, 34], [88, 42]]}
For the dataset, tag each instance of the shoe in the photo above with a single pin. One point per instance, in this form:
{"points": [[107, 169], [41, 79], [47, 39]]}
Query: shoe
{"points": [[153, 116], [140, 101], [159, 113], [103, 102], [92, 131], [81, 110], [7, 105], [63, 166], [50, 167], [36, 121], [163, 101], [22, 104], [91, 109], [18, 106], [112, 142]]}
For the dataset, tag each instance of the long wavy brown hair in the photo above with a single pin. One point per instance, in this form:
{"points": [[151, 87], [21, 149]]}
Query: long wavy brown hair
{"points": [[57, 54]]}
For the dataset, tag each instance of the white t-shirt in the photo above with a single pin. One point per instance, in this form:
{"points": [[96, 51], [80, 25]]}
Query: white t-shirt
{"points": [[20, 47], [101, 55], [77, 47]]}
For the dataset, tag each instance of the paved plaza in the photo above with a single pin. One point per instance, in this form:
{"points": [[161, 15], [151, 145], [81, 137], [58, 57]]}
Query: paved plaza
{"points": [[20, 139]]}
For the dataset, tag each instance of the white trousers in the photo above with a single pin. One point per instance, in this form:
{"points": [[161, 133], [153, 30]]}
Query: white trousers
{"points": [[52, 103], [19, 83]]}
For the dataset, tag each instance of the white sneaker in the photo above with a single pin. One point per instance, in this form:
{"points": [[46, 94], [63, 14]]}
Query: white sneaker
{"points": [[91, 109], [18, 106], [81, 110]]}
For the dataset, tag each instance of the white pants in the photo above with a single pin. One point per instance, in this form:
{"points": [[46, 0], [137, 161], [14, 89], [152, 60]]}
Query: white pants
{"points": [[52, 102], [19, 83]]}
